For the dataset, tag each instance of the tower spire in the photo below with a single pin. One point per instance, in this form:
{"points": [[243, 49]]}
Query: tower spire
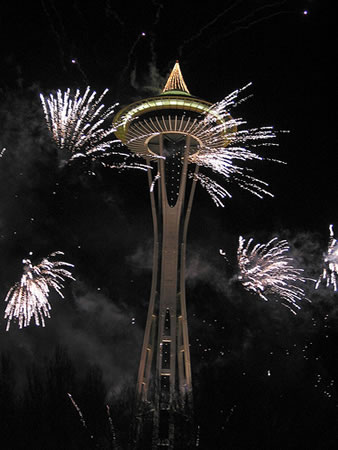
{"points": [[175, 81]]}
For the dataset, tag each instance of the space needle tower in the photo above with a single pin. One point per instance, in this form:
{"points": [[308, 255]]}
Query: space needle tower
{"points": [[167, 131]]}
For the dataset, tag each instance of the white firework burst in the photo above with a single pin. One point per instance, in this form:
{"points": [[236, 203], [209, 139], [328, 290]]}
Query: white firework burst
{"points": [[225, 157], [77, 126], [267, 270], [330, 270], [29, 297]]}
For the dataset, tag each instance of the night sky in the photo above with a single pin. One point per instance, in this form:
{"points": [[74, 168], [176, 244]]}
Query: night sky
{"points": [[263, 377]]}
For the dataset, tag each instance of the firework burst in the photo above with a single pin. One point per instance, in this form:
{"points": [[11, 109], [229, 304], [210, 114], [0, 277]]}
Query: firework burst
{"points": [[225, 157], [267, 270], [330, 269], [76, 124], [29, 297]]}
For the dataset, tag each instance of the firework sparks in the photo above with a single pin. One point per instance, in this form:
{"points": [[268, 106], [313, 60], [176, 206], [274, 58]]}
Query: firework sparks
{"points": [[215, 190], [29, 297], [157, 177], [267, 270], [223, 158], [330, 269], [76, 125]]}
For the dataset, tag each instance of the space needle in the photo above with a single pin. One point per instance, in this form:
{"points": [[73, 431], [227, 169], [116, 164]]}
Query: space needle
{"points": [[167, 131]]}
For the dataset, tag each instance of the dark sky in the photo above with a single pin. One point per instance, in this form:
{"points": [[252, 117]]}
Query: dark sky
{"points": [[103, 222]]}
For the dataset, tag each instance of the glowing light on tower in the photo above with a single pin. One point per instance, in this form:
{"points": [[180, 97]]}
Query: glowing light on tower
{"points": [[179, 134]]}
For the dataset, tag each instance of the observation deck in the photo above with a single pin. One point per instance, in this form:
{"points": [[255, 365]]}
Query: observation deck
{"points": [[175, 111]]}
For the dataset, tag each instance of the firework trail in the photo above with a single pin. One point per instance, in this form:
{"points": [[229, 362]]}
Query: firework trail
{"points": [[124, 71], [227, 28], [84, 424], [81, 416], [330, 269], [82, 419], [76, 125], [205, 27], [112, 429], [29, 297], [267, 270]]}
